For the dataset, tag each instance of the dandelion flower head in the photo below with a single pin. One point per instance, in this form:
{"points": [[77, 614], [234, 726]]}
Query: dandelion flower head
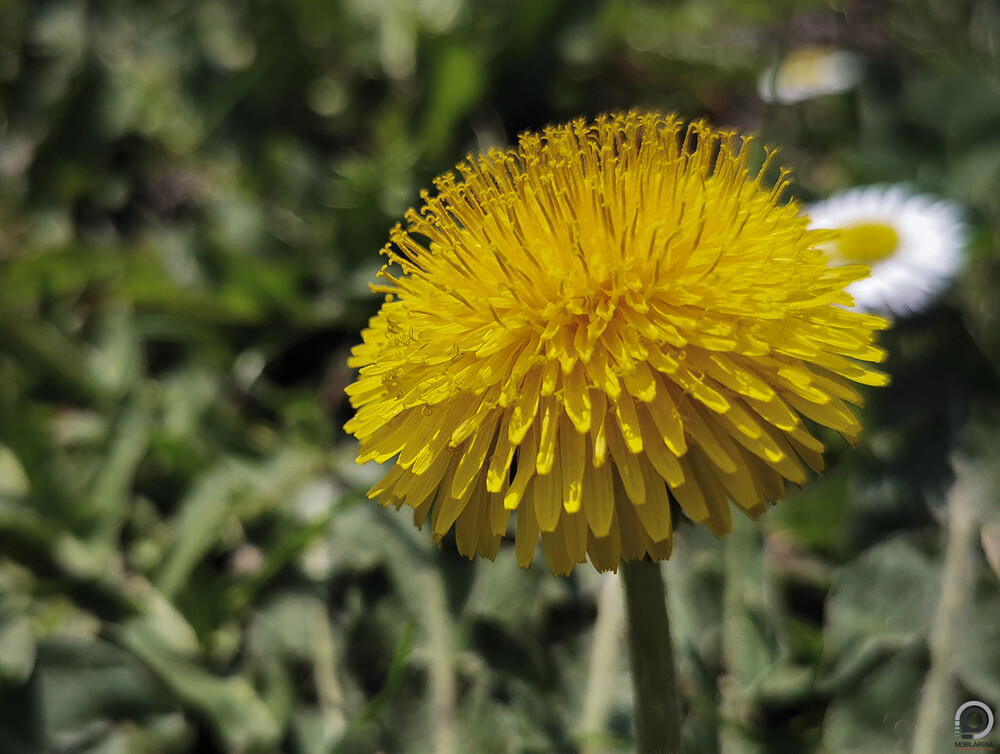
{"points": [[612, 325], [915, 244]]}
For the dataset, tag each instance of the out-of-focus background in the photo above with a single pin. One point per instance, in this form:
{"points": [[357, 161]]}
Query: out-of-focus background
{"points": [[192, 200]]}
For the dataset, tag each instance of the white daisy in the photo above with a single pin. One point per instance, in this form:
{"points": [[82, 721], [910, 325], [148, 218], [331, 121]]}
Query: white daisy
{"points": [[810, 71], [914, 244]]}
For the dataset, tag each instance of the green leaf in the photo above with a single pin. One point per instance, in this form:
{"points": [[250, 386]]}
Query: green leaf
{"points": [[84, 683], [289, 546], [888, 594], [48, 353], [201, 514], [877, 715], [363, 726], [239, 717], [814, 516], [456, 85], [112, 488], [13, 479], [976, 652], [116, 363], [17, 648]]}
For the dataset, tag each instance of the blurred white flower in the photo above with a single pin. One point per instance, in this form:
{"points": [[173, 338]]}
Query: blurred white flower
{"points": [[914, 243], [810, 71]]}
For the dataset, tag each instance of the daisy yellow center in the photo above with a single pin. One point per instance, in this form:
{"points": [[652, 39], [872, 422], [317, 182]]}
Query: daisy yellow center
{"points": [[867, 242], [808, 67]]}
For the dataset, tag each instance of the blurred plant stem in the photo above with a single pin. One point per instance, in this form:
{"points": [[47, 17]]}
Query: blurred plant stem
{"points": [[743, 588], [329, 690], [654, 676], [440, 637], [939, 699], [603, 664]]}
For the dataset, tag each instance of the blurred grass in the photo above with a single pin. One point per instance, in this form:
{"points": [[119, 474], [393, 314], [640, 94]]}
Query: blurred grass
{"points": [[192, 196]]}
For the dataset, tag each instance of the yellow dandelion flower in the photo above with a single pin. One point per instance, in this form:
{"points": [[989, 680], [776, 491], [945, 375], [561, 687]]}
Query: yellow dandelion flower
{"points": [[612, 323]]}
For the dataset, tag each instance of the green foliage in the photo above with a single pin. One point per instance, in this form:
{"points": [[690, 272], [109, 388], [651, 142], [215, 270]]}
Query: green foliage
{"points": [[192, 197]]}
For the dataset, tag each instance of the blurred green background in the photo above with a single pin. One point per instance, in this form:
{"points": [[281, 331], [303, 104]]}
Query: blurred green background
{"points": [[192, 198]]}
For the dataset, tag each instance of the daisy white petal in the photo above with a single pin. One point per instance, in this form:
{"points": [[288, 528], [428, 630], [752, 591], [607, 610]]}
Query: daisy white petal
{"points": [[810, 71], [914, 243]]}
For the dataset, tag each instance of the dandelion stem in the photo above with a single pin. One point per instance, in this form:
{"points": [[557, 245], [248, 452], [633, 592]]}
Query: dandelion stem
{"points": [[654, 677]]}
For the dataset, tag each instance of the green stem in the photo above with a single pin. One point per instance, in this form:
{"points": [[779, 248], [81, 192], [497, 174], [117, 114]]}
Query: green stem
{"points": [[654, 677], [741, 649], [602, 672], [940, 693], [444, 693]]}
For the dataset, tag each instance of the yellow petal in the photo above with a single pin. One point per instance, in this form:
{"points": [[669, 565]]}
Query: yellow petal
{"points": [[598, 498], [576, 398], [526, 533], [654, 514], [627, 465]]}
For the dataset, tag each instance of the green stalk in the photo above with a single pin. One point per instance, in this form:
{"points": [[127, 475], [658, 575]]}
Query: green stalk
{"points": [[654, 677], [745, 659], [940, 693], [603, 666]]}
